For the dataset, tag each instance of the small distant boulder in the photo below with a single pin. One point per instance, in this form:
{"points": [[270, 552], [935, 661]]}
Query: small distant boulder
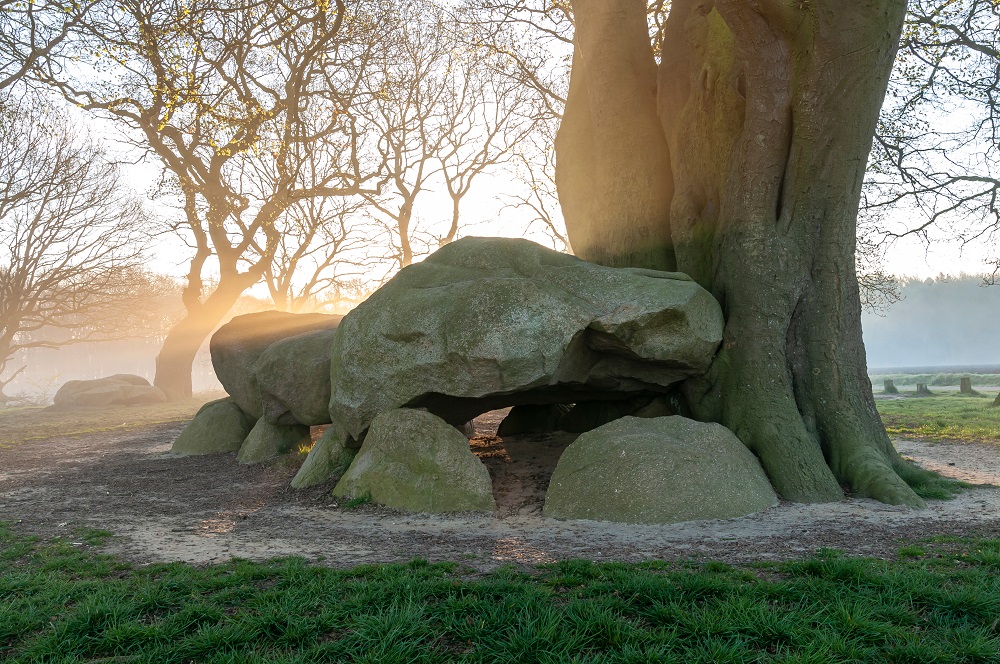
{"points": [[238, 344], [267, 441], [293, 376], [220, 426], [414, 461], [660, 470], [116, 390]]}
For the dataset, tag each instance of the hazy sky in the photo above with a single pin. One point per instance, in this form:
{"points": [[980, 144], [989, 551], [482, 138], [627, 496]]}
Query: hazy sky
{"points": [[912, 257], [483, 215]]}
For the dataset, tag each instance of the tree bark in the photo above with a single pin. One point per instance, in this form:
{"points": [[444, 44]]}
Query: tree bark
{"points": [[612, 166], [175, 361], [768, 110], [403, 224]]}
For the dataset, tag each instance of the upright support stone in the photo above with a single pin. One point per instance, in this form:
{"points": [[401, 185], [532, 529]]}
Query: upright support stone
{"points": [[890, 387], [996, 402], [965, 386], [922, 390]]}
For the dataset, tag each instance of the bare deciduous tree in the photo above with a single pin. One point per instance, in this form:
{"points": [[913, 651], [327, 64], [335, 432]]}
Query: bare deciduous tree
{"points": [[934, 161], [324, 244], [31, 31], [443, 116], [219, 92], [487, 116], [69, 240]]}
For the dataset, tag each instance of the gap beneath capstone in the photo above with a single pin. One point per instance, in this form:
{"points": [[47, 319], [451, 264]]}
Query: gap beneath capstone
{"points": [[520, 466]]}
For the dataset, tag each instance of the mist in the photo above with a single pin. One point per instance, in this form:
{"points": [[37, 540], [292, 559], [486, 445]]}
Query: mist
{"points": [[948, 321]]}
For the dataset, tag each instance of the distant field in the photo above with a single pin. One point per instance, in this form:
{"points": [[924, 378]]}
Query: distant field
{"points": [[942, 418], [19, 425], [947, 379], [964, 369]]}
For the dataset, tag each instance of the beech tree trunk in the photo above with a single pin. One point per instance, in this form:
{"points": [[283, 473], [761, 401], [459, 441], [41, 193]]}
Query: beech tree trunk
{"points": [[766, 111]]}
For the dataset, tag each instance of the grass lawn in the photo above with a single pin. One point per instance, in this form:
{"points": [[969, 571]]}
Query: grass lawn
{"points": [[18, 425], [942, 418], [64, 601]]}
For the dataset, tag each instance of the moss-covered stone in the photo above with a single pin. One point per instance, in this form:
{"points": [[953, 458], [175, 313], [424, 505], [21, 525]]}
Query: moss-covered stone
{"points": [[293, 376], [660, 470], [332, 459], [414, 461], [485, 323], [238, 344], [220, 426], [267, 441]]}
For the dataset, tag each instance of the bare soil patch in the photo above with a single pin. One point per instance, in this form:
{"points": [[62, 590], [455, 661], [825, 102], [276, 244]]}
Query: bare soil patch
{"points": [[209, 509]]}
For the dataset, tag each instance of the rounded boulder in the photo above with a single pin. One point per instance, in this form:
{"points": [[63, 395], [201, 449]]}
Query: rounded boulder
{"points": [[238, 344], [414, 461], [659, 470]]}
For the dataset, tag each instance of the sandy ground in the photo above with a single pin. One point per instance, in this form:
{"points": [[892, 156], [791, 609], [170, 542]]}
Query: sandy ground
{"points": [[209, 509]]}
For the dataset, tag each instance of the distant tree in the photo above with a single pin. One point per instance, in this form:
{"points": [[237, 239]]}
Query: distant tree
{"points": [[443, 116], [535, 169], [531, 43], [937, 149], [34, 30], [70, 240], [232, 98], [325, 242]]}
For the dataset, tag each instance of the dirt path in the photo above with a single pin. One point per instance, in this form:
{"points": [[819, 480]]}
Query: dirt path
{"points": [[208, 509]]}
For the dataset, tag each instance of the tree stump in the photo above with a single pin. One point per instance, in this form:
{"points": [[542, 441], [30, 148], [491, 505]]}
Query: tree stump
{"points": [[890, 388], [965, 386], [922, 390]]}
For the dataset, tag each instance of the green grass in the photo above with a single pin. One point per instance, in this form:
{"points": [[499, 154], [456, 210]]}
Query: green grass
{"points": [[935, 379], [62, 601], [930, 485], [942, 418], [358, 501]]}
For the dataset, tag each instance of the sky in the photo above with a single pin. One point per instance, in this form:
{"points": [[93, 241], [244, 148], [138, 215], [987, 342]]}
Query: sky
{"points": [[484, 214], [907, 257], [912, 257]]}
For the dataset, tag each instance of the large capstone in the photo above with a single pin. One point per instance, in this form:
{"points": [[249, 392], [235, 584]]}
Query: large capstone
{"points": [[238, 344], [414, 461], [294, 379], [220, 426], [660, 470], [486, 323]]}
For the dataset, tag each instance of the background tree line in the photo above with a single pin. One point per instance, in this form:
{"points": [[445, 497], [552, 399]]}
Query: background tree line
{"points": [[297, 141]]}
